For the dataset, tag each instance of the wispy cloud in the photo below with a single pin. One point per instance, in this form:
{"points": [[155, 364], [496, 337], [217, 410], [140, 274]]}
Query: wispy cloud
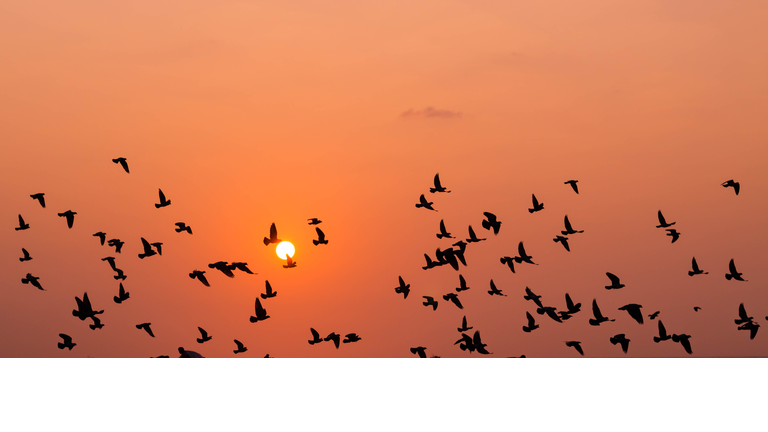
{"points": [[430, 112]]}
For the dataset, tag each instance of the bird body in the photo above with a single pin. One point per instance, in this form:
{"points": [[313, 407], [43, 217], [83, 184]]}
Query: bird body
{"points": [[674, 234], [32, 280], [223, 267], [102, 236], [351, 337], [117, 244], [335, 338], [550, 311], [454, 298], [683, 339], [621, 339], [242, 266], [634, 311], [575, 344], [529, 295], [509, 262], [430, 302], [421, 351], [181, 226], [314, 221], [563, 241]]}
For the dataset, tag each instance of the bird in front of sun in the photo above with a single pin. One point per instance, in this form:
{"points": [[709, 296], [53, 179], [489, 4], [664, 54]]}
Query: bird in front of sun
{"points": [[285, 251]]}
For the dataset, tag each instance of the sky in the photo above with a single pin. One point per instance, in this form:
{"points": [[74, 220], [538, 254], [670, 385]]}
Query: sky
{"points": [[248, 114]]}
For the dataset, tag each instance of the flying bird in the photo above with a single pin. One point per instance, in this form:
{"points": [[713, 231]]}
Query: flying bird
{"points": [[621, 339], [200, 275], [752, 327], [531, 323], [563, 241], [479, 345], [438, 187], [443, 233], [163, 202], [575, 344], [403, 288], [314, 221], [269, 293], [523, 257], [494, 290], [421, 351], [733, 184], [574, 186], [615, 282], [466, 343], [315, 337], [662, 222], [430, 302], [70, 215], [572, 308], [491, 222], [148, 251], [743, 318], [289, 262], [181, 226], [654, 315], [145, 327], [464, 327], [462, 284], [261, 313], [67, 342], [97, 325], [242, 266], [550, 311], [634, 311], [696, 270], [529, 295], [674, 234], [599, 318], [40, 197], [460, 252], [29, 279], [536, 205], [335, 338], [102, 236], [22, 225], [472, 237], [117, 244], [696, 308], [122, 295], [272, 236], [203, 336], [320, 237], [240, 347], [423, 203], [26, 256], [430, 263], [662, 334], [351, 337], [223, 267], [733, 273], [568, 228], [122, 161], [454, 298], [157, 246], [683, 339]]}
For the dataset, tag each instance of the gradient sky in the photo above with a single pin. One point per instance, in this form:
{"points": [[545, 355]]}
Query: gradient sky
{"points": [[247, 114]]}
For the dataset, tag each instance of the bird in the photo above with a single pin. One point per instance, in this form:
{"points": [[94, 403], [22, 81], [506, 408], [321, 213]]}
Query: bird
{"points": [[163, 202], [479, 345], [320, 237], [22, 225], [462, 284], [550, 311], [269, 293], [242, 266], [335, 338], [523, 257], [423, 203], [96, 324], [120, 275], [421, 351], [752, 327], [568, 228], [696, 269], [26, 256], [491, 222], [448, 256], [733, 184], [494, 290], [430, 302], [102, 236], [240, 347], [696, 308], [145, 327], [70, 215], [621, 339], [272, 236], [122, 161], [466, 343], [157, 246], [683, 339], [570, 306], [314, 221], [40, 197], [634, 311], [203, 336], [575, 344], [599, 318], [460, 252], [674, 234], [122, 295], [531, 323], [662, 222], [438, 187], [464, 327], [84, 309], [573, 185], [443, 233], [351, 337], [662, 334], [654, 315], [223, 267], [536, 205], [615, 282], [181, 226], [733, 273], [743, 318], [117, 244], [289, 263], [148, 251], [29, 279], [430, 263], [261, 313], [200, 275], [315, 337], [111, 261], [403, 288], [454, 298], [563, 241], [67, 342], [529, 295]]}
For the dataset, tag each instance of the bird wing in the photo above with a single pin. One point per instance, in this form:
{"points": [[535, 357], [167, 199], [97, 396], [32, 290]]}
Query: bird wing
{"points": [[462, 282], [239, 344], [695, 265], [203, 333], [402, 282], [86, 303], [596, 309], [315, 334], [531, 321], [122, 290], [472, 233], [686, 344], [491, 217], [614, 279], [661, 219], [269, 287], [736, 187], [422, 200], [568, 226], [732, 267], [162, 195], [442, 227], [147, 246], [124, 163], [259, 308], [535, 201], [273, 232], [66, 338], [568, 302], [320, 234], [743, 312], [437, 181], [21, 221], [575, 189]]}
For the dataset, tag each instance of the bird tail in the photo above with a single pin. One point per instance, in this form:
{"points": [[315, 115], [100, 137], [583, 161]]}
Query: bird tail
{"points": [[728, 276]]}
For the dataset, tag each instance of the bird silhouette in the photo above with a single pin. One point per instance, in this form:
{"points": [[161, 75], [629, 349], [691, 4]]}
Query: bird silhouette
{"points": [[568, 228], [335, 338], [22, 225], [733, 273], [634, 311], [40, 197], [157, 246], [563, 241], [575, 344], [96, 323], [454, 298], [430, 263], [529, 295], [743, 317], [240, 347], [423, 203], [314, 221], [122, 295], [272, 236], [200, 275], [536, 205], [752, 327], [188, 353], [674, 234], [163, 202], [242, 266], [320, 237], [662, 334], [117, 244], [574, 186], [654, 315], [403, 288], [111, 261], [181, 226], [523, 257], [122, 161], [261, 313], [70, 215], [479, 345], [733, 184], [494, 290], [102, 236], [269, 293], [148, 251], [448, 256], [509, 262], [662, 222], [599, 318], [696, 269], [120, 275], [26, 256], [67, 342], [621, 339], [443, 233], [696, 308], [438, 187], [683, 339], [615, 282], [421, 351], [145, 327], [223, 267], [491, 222], [430, 302], [29, 279], [459, 253], [531, 323], [570, 306], [203, 336], [351, 337], [462, 284], [315, 337], [466, 343], [550, 311], [289, 262], [464, 327]]}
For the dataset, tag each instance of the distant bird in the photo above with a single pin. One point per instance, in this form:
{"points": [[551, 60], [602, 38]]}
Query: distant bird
{"points": [[67, 342], [102, 236], [145, 327], [430, 263], [203, 336], [181, 226], [351, 337], [743, 318], [575, 344], [674, 234], [536, 205], [314, 221], [464, 327], [574, 186], [157, 246], [621, 339], [240, 347], [531, 323], [148, 251], [70, 215], [315, 337], [111, 261], [494, 290], [682, 339], [29, 279], [423, 203], [163, 202], [269, 293], [242, 266], [550, 311], [443, 233], [438, 187], [466, 343], [26, 256], [563, 241], [22, 225], [96, 323], [662, 334], [421, 351], [289, 263], [122, 295], [662, 222], [599, 318], [403, 288], [261, 313], [523, 257], [40, 197], [320, 237], [696, 269], [223, 267], [122, 161], [430, 302], [479, 345], [117, 244], [696, 308], [752, 327], [454, 298], [529, 295], [335, 338], [272, 236], [733, 184], [572, 308], [448, 256], [462, 284], [491, 222], [733, 273], [509, 262], [634, 311], [568, 228], [615, 282], [200, 275], [654, 315]]}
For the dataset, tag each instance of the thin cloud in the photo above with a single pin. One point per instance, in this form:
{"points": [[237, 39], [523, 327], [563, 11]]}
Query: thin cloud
{"points": [[430, 112]]}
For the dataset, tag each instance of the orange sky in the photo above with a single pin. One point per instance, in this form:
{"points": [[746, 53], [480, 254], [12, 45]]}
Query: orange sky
{"points": [[249, 114]]}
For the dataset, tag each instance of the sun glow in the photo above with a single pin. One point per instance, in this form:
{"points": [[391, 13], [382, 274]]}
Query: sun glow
{"points": [[285, 249]]}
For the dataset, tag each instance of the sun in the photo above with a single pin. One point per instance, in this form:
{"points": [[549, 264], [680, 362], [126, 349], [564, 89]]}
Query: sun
{"points": [[285, 249]]}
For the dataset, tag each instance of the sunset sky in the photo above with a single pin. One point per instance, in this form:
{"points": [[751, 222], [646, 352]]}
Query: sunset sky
{"points": [[249, 114]]}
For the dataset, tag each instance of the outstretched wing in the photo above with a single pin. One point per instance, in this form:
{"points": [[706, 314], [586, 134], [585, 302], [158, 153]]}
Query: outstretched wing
{"points": [[535, 201], [21, 221], [614, 279], [273, 232], [437, 181], [320, 234], [743, 312], [661, 219], [521, 250], [259, 308], [531, 321], [732, 267], [568, 226], [146, 245], [162, 195], [596, 309]]}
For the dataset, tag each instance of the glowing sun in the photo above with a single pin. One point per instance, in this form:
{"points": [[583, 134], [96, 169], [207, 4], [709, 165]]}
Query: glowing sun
{"points": [[285, 249]]}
